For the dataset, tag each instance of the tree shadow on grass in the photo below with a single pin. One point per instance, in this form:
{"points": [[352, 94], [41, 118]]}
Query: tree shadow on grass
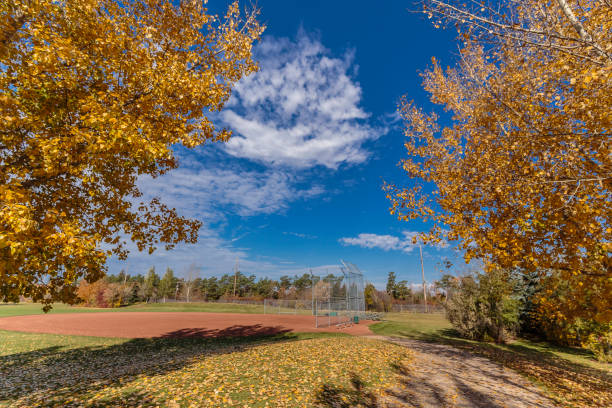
{"points": [[567, 382], [424, 390], [404, 395], [334, 396], [54, 376], [232, 331]]}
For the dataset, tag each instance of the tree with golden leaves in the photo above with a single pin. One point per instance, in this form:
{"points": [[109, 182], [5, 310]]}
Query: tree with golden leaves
{"points": [[93, 94], [522, 173]]}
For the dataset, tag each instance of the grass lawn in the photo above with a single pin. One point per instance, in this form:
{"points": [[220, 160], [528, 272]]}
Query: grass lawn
{"points": [[570, 376], [413, 325], [34, 308], [292, 370]]}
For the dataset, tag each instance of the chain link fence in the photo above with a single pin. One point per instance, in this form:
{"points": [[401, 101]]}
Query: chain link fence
{"points": [[335, 301], [417, 308], [332, 312], [288, 306]]}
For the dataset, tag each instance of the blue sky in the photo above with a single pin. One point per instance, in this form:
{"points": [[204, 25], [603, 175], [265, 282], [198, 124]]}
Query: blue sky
{"points": [[315, 135]]}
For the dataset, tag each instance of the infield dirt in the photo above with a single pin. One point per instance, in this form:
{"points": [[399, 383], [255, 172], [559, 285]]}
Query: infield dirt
{"points": [[169, 324]]}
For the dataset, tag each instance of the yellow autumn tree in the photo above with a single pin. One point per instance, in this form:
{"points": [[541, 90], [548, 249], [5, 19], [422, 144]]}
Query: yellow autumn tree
{"points": [[93, 94], [518, 168]]}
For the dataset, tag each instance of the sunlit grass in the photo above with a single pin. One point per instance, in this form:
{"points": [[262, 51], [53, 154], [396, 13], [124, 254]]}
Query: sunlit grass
{"points": [[287, 370], [411, 324]]}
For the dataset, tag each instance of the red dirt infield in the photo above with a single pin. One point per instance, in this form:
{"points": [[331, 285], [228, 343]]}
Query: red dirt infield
{"points": [[171, 324]]}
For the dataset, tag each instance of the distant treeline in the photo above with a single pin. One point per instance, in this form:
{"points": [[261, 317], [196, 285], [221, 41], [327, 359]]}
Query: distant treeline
{"points": [[123, 289]]}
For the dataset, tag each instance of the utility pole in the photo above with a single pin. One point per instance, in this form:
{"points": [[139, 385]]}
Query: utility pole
{"points": [[423, 275], [312, 289], [235, 276]]}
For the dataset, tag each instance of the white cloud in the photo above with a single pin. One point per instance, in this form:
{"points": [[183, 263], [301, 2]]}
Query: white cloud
{"points": [[300, 110], [212, 255], [384, 242], [407, 243], [202, 192]]}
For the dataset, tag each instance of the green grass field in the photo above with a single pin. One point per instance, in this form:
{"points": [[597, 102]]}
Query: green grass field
{"points": [[34, 308], [288, 370], [570, 376]]}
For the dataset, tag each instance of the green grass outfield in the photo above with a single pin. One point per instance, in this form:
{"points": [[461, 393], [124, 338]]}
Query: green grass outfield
{"points": [[9, 309]]}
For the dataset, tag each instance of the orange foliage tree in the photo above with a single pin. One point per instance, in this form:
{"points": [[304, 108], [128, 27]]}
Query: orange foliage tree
{"points": [[93, 94], [522, 173], [92, 294]]}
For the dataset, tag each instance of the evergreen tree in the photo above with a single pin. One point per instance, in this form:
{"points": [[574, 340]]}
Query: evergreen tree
{"points": [[167, 284], [151, 284], [391, 284]]}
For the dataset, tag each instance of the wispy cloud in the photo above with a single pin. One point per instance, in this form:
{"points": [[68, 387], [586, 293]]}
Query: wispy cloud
{"points": [[405, 243], [211, 192], [301, 109], [384, 242], [300, 235]]}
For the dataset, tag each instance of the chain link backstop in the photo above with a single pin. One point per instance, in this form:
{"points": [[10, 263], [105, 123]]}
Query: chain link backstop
{"points": [[347, 309], [335, 301]]}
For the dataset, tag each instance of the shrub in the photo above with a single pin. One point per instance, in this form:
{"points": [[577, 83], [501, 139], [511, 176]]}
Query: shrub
{"points": [[559, 323], [593, 336], [600, 343], [483, 306]]}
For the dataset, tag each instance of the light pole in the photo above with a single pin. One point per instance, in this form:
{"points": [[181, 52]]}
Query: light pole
{"points": [[235, 276]]}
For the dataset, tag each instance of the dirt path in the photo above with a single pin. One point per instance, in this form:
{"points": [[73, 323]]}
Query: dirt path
{"points": [[443, 376]]}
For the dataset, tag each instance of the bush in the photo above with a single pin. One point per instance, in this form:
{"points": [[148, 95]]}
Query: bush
{"points": [[560, 323], [599, 341], [483, 306], [593, 336]]}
